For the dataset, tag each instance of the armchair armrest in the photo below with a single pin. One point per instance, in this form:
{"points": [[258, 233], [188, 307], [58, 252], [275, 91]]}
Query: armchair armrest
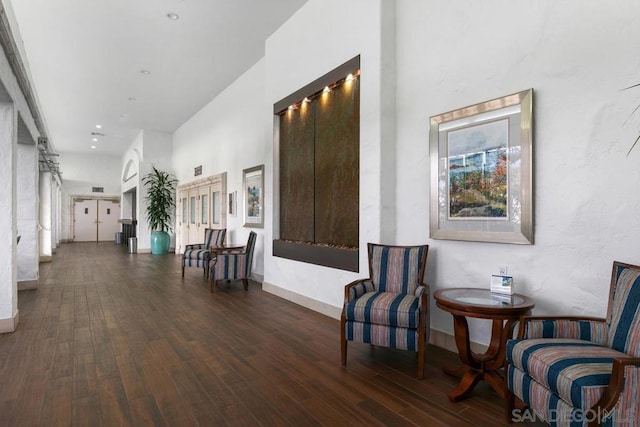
{"points": [[357, 288], [196, 246], [592, 329], [422, 289], [619, 399]]}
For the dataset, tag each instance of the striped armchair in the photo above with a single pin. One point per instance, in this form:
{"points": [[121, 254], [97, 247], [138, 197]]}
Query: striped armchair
{"points": [[197, 255], [575, 372], [390, 307], [233, 265]]}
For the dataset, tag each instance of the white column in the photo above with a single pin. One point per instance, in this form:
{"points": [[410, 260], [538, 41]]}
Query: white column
{"points": [[45, 216], [27, 215], [8, 223], [54, 214], [58, 223]]}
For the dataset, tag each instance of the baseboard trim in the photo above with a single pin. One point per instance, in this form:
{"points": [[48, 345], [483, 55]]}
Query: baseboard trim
{"points": [[26, 285], [310, 303], [46, 258], [448, 342], [438, 338], [10, 324]]}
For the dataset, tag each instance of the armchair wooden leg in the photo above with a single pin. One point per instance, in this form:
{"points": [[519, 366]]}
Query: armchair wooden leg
{"points": [[245, 284], [183, 270], [421, 363], [343, 342], [212, 284], [509, 403], [422, 342]]}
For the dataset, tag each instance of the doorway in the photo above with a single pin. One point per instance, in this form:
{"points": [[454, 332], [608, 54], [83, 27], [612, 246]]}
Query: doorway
{"points": [[95, 220], [199, 207]]}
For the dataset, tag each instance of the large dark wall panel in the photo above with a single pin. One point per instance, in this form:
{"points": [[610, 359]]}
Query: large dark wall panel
{"points": [[296, 174], [319, 170], [337, 168]]}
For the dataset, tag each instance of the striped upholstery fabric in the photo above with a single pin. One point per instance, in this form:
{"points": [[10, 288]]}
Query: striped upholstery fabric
{"points": [[587, 330], [624, 316], [387, 336], [561, 368], [396, 269], [385, 308], [360, 289], [197, 255], [234, 266], [577, 371], [627, 410], [546, 405]]}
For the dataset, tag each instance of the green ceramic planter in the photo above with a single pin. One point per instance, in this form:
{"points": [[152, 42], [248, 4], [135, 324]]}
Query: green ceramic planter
{"points": [[160, 241]]}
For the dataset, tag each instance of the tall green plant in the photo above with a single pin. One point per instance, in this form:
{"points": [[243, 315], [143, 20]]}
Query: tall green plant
{"points": [[161, 189]]}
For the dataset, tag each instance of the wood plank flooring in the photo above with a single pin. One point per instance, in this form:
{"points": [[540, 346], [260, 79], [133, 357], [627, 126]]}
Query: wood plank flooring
{"points": [[114, 339]]}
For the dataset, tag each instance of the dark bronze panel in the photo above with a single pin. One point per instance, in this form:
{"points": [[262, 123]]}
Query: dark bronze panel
{"points": [[296, 174], [342, 258], [337, 168]]}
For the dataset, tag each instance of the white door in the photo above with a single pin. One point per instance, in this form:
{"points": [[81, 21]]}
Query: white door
{"points": [[194, 237], [183, 209], [108, 216], [85, 221], [204, 209], [217, 206]]}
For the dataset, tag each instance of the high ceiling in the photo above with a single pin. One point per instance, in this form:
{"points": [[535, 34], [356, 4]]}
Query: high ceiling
{"points": [[126, 65]]}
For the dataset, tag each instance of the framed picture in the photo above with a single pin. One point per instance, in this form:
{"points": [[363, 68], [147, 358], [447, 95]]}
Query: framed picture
{"points": [[482, 171], [253, 195], [233, 203]]}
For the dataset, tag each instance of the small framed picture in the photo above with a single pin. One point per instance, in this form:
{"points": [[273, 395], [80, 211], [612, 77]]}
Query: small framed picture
{"points": [[253, 195], [233, 203]]}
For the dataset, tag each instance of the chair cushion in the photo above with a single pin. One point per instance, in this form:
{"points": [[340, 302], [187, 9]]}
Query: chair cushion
{"points": [[195, 257], [624, 322], [385, 308], [576, 371], [548, 406], [387, 336]]}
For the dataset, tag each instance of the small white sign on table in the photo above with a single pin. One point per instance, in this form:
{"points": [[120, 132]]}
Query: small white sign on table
{"points": [[502, 284]]}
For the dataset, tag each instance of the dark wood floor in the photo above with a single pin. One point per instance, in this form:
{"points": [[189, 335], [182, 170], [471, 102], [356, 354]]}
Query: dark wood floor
{"points": [[112, 339]]}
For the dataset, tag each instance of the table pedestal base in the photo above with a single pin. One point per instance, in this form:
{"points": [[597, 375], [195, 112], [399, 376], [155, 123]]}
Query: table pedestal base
{"points": [[487, 366], [470, 378]]}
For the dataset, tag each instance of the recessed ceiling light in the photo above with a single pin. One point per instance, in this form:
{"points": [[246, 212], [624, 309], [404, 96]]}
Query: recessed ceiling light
{"points": [[93, 146], [145, 72], [173, 16], [95, 139], [98, 126]]}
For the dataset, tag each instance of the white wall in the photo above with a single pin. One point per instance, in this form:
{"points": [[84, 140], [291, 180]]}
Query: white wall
{"points": [[228, 135], [576, 55], [147, 149], [319, 37], [81, 172], [27, 212]]}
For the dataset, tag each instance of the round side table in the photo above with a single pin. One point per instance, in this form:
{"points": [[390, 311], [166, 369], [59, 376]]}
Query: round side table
{"points": [[503, 311]]}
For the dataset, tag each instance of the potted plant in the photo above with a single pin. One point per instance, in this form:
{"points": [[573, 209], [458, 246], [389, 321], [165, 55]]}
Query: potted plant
{"points": [[161, 188]]}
